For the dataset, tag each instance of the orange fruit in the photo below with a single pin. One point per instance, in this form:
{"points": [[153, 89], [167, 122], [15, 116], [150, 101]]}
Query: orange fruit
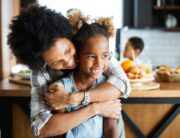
{"points": [[126, 65]]}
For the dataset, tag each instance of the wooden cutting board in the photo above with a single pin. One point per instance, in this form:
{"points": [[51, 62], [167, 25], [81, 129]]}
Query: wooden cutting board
{"points": [[19, 80]]}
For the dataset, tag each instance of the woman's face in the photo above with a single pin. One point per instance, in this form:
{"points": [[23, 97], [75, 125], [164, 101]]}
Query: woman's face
{"points": [[94, 57], [61, 55]]}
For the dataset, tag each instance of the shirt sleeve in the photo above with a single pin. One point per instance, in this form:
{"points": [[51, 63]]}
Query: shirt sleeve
{"points": [[117, 77], [40, 113]]}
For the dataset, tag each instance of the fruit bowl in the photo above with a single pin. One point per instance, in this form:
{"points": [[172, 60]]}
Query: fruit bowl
{"points": [[167, 74]]}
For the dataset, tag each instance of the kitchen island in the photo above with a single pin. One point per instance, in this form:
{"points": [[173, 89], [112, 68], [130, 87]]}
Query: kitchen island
{"points": [[14, 110], [153, 113]]}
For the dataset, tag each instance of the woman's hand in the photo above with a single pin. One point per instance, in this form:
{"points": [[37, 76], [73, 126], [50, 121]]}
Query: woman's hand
{"points": [[58, 99], [110, 109]]}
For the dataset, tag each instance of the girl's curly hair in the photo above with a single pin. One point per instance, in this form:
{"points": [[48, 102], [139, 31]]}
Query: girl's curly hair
{"points": [[84, 30], [77, 19], [34, 31]]}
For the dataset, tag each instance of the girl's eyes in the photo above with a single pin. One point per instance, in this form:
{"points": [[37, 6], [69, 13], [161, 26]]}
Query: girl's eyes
{"points": [[91, 57], [105, 56], [108, 56]]}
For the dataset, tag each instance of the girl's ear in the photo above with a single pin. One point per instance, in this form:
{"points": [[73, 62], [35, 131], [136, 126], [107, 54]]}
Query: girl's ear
{"points": [[137, 51]]}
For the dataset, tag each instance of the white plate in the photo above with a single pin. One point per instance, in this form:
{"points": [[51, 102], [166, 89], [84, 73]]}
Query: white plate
{"points": [[141, 80], [24, 76]]}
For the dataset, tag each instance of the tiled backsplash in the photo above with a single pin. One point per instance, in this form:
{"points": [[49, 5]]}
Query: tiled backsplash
{"points": [[161, 47]]}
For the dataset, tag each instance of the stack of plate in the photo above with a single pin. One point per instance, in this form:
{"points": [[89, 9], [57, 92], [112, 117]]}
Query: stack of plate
{"points": [[144, 84]]}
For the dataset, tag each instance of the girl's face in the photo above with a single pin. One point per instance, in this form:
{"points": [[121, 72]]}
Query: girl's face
{"points": [[94, 57], [61, 55]]}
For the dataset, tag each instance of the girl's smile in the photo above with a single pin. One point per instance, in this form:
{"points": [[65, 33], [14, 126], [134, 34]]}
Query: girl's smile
{"points": [[97, 72]]}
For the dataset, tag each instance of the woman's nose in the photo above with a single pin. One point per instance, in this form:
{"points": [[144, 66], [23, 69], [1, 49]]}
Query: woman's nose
{"points": [[67, 60]]}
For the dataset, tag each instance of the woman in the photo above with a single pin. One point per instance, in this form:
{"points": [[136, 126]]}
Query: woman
{"points": [[42, 40]]}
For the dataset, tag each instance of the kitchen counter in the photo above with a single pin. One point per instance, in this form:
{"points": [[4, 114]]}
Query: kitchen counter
{"points": [[141, 105], [168, 90], [14, 99], [8, 89]]}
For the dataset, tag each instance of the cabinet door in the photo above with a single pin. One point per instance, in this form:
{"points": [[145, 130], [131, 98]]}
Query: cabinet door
{"points": [[143, 13], [138, 13], [128, 13]]}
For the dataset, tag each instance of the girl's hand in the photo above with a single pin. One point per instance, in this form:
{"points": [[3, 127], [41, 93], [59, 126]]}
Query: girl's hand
{"points": [[58, 99], [110, 109]]}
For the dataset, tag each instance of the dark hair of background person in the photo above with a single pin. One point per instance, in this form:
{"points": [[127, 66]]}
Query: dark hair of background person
{"points": [[137, 43]]}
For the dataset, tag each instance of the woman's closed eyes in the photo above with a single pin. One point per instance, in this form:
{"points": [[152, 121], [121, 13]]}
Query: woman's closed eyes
{"points": [[67, 51], [58, 62]]}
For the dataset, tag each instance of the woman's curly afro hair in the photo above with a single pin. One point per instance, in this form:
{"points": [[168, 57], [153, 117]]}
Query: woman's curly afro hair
{"points": [[34, 31]]}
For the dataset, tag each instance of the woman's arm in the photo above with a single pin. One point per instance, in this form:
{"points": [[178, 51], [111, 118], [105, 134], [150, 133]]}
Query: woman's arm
{"points": [[110, 128], [117, 81], [117, 85], [39, 111], [60, 123]]}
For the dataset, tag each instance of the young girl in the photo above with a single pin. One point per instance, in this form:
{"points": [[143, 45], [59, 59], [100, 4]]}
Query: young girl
{"points": [[92, 44], [42, 39]]}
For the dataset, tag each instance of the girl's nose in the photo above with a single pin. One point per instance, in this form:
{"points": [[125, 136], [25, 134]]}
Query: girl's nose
{"points": [[98, 62]]}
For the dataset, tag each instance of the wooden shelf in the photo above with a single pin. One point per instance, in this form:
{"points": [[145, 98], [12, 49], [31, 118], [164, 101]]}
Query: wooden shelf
{"points": [[173, 29], [169, 8]]}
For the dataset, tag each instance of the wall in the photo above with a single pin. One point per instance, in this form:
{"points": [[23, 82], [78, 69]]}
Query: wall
{"points": [[108, 9], [161, 47], [89, 7], [6, 14], [1, 42], [9, 8]]}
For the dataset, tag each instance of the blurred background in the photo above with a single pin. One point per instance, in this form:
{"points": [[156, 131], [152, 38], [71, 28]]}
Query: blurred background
{"points": [[156, 22]]}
